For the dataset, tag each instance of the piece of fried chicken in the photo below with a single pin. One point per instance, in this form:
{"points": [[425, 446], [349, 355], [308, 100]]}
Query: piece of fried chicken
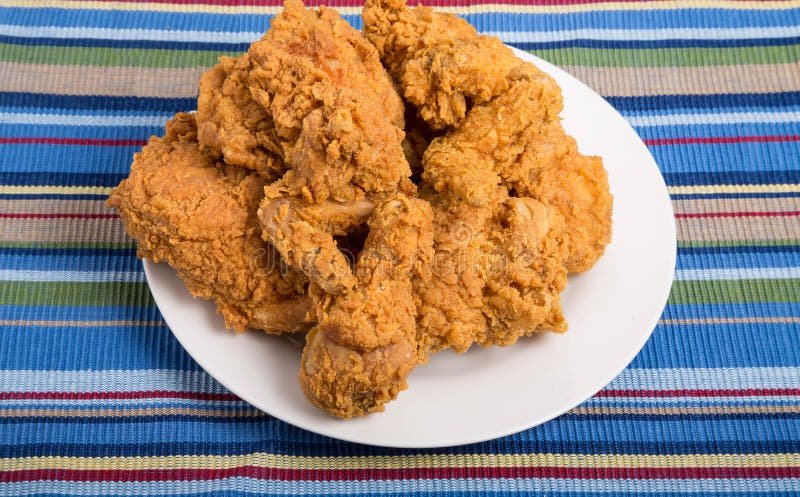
{"points": [[358, 356], [499, 259], [231, 125], [339, 120], [439, 61], [198, 216]]}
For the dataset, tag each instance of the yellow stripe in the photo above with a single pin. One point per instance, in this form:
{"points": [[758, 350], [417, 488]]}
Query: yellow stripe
{"points": [[54, 190], [475, 9], [705, 189], [78, 324], [779, 320], [405, 461]]}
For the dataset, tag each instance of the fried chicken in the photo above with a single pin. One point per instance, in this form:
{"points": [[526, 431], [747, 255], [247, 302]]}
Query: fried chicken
{"points": [[440, 62], [198, 216], [364, 346], [499, 263], [231, 125], [340, 123], [443, 67]]}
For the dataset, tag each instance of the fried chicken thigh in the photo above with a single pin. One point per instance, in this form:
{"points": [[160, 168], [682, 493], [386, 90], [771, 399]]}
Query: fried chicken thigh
{"points": [[198, 216], [364, 346]]}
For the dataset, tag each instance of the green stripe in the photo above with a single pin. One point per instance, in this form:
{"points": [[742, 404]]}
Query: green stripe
{"points": [[49, 293], [740, 243], [68, 245], [735, 291], [673, 57], [86, 56]]}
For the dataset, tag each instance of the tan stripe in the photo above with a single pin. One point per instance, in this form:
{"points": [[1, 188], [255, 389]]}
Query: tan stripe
{"points": [[635, 81], [78, 324], [669, 5], [748, 229], [63, 230], [55, 206], [121, 413], [59, 190], [686, 410], [91, 80], [266, 460], [708, 189], [704, 321], [699, 206]]}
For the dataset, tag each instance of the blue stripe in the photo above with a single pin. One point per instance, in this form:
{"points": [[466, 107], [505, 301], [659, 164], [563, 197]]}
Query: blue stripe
{"points": [[49, 196], [61, 178], [284, 439], [85, 313], [764, 177], [45, 261], [720, 346], [138, 44], [654, 19], [746, 158], [650, 44], [783, 258], [733, 310], [57, 159], [121, 132], [255, 492], [638, 111], [718, 130], [566, 431], [98, 103], [737, 249], [122, 347], [682, 196], [708, 102]]}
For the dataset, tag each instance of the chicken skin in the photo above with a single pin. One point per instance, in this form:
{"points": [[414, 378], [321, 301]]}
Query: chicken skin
{"points": [[499, 259], [364, 345], [231, 125], [198, 216], [339, 121]]}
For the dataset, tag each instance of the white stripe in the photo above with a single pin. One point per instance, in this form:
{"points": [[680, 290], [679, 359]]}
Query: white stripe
{"points": [[725, 118], [71, 276], [377, 487], [108, 381], [646, 34], [706, 378], [508, 36], [737, 273], [77, 120], [199, 381]]}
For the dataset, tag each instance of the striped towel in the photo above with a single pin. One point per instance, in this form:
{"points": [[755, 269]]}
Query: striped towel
{"points": [[97, 398]]}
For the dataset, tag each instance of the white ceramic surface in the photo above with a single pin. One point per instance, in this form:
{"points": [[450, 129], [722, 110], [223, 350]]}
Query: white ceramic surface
{"points": [[483, 393]]}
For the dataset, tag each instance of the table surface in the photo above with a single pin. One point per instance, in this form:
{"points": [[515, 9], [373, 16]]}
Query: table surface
{"points": [[97, 397]]}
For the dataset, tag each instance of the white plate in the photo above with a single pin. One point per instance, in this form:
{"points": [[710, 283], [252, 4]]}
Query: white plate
{"points": [[483, 393]]}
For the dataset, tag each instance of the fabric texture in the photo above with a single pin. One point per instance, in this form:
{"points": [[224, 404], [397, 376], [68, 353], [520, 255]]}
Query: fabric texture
{"points": [[97, 398]]}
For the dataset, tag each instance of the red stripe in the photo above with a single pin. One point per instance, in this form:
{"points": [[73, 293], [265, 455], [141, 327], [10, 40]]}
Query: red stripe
{"points": [[396, 473], [152, 394], [721, 139], [71, 141], [744, 392], [738, 214], [60, 215]]}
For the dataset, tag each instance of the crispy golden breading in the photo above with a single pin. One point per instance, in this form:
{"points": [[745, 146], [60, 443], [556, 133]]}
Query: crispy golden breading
{"points": [[233, 127], [439, 61], [363, 348], [199, 217], [335, 109], [498, 268]]}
